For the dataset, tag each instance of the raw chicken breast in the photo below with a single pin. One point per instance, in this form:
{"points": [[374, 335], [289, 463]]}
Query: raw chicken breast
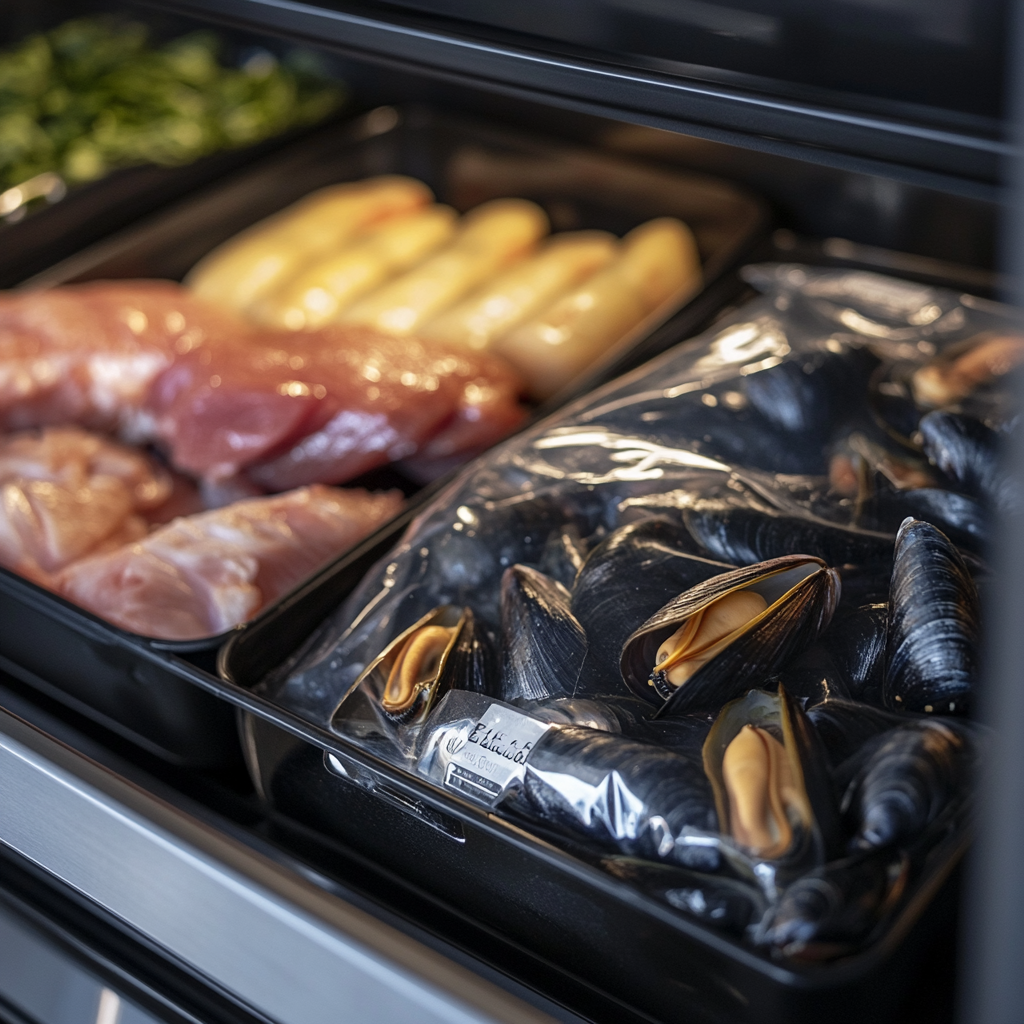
{"points": [[65, 492], [87, 354], [206, 573], [328, 405]]}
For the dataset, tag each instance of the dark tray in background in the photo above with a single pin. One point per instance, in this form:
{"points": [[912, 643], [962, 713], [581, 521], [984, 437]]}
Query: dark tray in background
{"points": [[629, 946], [138, 686], [92, 211]]}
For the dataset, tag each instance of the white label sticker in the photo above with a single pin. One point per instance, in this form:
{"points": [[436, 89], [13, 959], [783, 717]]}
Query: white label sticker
{"points": [[494, 754]]}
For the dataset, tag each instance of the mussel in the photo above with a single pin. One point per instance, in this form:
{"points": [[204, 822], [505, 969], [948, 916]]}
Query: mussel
{"points": [[813, 393], [773, 795], [931, 649], [444, 650], [963, 519], [720, 901], [741, 536], [624, 581], [962, 369], [834, 908], [902, 780], [621, 794], [564, 555], [855, 640], [845, 726], [544, 644], [969, 453], [728, 633], [812, 677]]}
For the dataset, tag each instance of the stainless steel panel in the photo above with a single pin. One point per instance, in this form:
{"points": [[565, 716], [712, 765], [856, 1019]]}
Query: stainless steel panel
{"points": [[255, 931]]}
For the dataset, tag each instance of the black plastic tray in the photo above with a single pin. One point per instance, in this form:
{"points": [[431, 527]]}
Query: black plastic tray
{"points": [[632, 948], [92, 211], [135, 684], [627, 945]]}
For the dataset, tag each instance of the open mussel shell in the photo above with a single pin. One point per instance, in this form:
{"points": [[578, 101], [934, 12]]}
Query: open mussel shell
{"points": [[444, 650], [902, 780], [624, 581], [773, 794], [931, 655], [966, 450], [543, 643], [855, 641], [728, 633], [744, 535]]}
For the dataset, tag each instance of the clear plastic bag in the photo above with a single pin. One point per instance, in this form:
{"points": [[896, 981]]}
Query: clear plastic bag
{"points": [[796, 437]]}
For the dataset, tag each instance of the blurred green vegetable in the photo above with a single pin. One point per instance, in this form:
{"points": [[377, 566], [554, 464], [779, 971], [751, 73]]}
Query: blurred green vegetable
{"points": [[93, 95]]}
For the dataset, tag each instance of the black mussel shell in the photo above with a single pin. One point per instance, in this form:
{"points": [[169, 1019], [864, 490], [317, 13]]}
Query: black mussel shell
{"points": [[845, 726], [802, 593], [815, 825], [620, 794], [970, 454], [932, 637], [716, 900], [834, 908], [472, 663], [685, 734], [564, 555], [812, 677], [855, 641], [891, 401], [624, 581], [458, 659], [741, 536], [811, 394], [543, 643], [963, 519], [902, 780]]}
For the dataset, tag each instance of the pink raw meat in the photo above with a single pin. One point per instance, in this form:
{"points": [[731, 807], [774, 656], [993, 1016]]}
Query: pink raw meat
{"points": [[87, 354], [65, 493], [203, 574], [325, 406]]}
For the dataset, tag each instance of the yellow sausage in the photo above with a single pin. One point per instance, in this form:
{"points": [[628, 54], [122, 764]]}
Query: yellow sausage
{"points": [[492, 237], [321, 291], [250, 264], [524, 290], [657, 260]]}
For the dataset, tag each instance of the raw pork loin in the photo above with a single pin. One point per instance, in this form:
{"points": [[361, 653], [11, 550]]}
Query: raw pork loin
{"points": [[87, 354], [325, 406]]}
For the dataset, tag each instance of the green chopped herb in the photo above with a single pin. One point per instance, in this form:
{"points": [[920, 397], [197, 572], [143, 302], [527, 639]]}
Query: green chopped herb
{"points": [[93, 95]]}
